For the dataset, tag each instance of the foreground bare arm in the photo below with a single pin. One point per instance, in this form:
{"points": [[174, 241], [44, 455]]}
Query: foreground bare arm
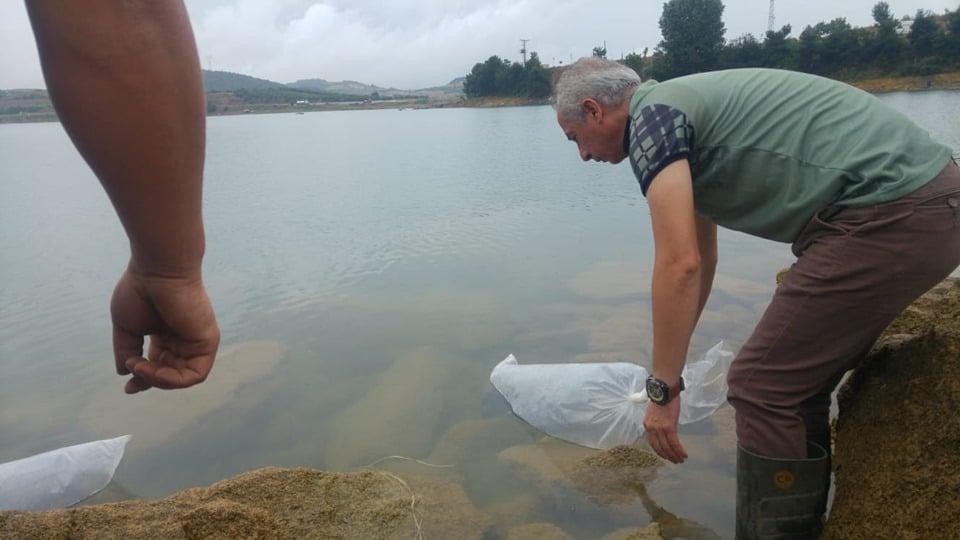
{"points": [[125, 81], [677, 299]]}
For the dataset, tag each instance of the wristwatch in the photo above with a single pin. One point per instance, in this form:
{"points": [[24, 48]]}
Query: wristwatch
{"points": [[660, 392]]}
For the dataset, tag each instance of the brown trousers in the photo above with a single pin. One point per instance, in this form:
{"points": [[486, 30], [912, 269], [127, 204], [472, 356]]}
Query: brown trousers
{"points": [[857, 269]]}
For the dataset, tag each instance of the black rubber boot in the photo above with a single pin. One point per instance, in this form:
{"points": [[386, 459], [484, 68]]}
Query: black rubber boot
{"points": [[782, 499]]}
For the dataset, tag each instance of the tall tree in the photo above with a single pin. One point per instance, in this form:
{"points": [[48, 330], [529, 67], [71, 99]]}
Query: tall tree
{"points": [[692, 35], [923, 35], [951, 51], [635, 62], [886, 46], [743, 52], [777, 49], [840, 47], [600, 51], [808, 50], [482, 80], [536, 79]]}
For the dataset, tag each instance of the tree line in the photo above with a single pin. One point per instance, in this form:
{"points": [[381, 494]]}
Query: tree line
{"points": [[694, 41], [502, 78]]}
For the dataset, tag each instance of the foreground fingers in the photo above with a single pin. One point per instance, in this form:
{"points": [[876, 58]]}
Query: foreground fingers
{"points": [[136, 385], [661, 445], [676, 449], [170, 372]]}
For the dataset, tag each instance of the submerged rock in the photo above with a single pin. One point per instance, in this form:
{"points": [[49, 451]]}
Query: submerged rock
{"points": [[650, 532], [537, 531], [271, 503], [897, 447], [398, 415], [608, 477]]}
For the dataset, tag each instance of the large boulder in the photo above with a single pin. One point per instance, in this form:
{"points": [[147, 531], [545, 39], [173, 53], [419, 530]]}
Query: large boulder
{"points": [[897, 447], [272, 503]]}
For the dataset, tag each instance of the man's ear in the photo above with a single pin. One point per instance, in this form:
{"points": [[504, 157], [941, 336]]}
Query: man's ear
{"points": [[592, 109]]}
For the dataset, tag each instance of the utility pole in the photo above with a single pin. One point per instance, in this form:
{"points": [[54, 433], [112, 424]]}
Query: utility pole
{"points": [[523, 50], [772, 19]]}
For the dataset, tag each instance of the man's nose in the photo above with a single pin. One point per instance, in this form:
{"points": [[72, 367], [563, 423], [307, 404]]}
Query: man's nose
{"points": [[584, 155]]}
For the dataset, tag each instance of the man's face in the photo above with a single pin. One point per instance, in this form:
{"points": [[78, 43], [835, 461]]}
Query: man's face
{"points": [[599, 135]]}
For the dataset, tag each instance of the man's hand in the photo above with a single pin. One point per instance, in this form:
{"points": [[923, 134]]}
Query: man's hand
{"points": [[178, 317], [660, 427]]}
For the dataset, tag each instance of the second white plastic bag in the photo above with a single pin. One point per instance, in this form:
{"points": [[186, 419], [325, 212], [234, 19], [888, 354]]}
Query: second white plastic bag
{"points": [[60, 478], [601, 405]]}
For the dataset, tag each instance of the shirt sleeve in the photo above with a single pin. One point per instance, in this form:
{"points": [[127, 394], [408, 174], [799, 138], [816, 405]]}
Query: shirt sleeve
{"points": [[661, 135]]}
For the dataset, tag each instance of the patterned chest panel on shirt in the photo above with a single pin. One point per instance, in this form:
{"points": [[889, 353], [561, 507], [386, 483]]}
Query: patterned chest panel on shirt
{"points": [[661, 136]]}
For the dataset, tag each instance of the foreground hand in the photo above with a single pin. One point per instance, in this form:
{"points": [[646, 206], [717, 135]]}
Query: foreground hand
{"points": [[177, 315], [660, 428]]}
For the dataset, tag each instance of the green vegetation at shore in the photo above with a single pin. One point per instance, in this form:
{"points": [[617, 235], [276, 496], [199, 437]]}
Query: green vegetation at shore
{"points": [[501, 78], [693, 30]]}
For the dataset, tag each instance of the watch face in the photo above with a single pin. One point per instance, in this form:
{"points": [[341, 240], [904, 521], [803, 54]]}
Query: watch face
{"points": [[654, 391]]}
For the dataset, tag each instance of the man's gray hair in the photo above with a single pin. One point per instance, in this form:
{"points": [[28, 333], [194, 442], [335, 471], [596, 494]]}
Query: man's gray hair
{"points": [[607, 82]]}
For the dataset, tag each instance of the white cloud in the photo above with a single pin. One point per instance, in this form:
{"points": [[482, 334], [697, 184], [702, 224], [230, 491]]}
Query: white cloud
{"points": [[337, 42], [19, 62]]}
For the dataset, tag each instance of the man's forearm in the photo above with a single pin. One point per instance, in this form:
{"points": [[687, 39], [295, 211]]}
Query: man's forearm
{"points": [[125, 81], [677, 300], [707, 272], [707, 248]]}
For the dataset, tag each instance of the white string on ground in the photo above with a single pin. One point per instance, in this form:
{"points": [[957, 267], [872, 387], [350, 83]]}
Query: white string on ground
{"points": [[410, 459], [413, 497], [413, 502]]}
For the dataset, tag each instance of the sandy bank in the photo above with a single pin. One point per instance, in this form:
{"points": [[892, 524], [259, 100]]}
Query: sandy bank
{"points": [[882, 85], [306, 503], [490, 102], [897, 446]]}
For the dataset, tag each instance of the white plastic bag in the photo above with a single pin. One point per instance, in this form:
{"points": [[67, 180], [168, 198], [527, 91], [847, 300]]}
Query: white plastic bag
{"points": [[60, 478], [601, 405]]}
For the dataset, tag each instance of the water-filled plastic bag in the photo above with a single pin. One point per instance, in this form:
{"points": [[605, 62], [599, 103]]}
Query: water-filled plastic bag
{"points": [[60, 478], [601, 405]]}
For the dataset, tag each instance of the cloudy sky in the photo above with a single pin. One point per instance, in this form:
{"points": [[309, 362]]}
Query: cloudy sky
{"points": [[419, 43]]}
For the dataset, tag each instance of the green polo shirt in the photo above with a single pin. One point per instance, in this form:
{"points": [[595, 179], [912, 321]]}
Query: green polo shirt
{"points": [[769, 148]]}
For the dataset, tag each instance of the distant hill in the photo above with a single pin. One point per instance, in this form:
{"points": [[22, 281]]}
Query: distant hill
{"points": [[253, 90], [453, 86], [226, 81], [234, 91], [345, 87]]}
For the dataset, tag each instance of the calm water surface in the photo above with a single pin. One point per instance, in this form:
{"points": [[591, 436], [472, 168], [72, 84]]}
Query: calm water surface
{"points": [[369, 269]]}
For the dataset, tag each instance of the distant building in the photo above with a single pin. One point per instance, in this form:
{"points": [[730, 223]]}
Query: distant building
{"points": [[302, 102], [905, 26]]}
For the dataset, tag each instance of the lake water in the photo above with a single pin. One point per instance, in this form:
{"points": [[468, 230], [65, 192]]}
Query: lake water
{"points": [[369, 268]]}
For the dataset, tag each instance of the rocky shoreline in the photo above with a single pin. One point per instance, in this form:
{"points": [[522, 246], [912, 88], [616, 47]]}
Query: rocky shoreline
{"points": [[897, 437], [274, 503]]}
